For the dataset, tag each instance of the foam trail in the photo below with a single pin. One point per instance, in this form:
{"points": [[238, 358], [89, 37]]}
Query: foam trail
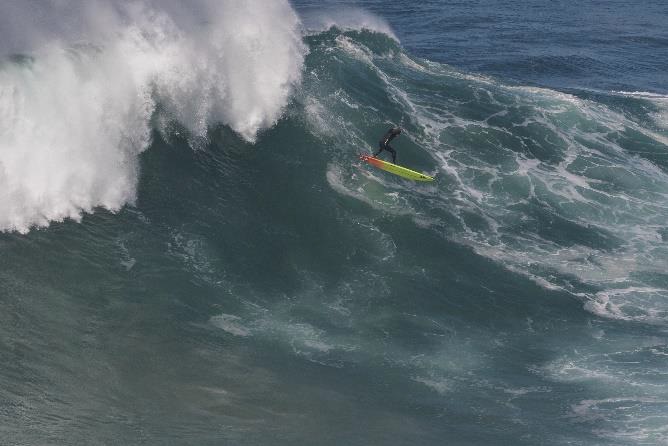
{"points": [[75, 108]]}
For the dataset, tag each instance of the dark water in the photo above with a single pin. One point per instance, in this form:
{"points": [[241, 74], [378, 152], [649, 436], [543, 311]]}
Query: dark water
{"points": [[276, 291]]}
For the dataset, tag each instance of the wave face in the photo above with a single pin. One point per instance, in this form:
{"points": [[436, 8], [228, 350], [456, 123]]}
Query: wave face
{"points": [[215, 266], [569, 190], [74, 116]]}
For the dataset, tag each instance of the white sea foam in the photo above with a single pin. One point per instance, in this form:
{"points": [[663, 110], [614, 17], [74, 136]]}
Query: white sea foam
{"points": [[642, 94], [356, 51], [74, 113], [612, 196], [644, 304], [644, 419], [231, 324], [441, 386]]}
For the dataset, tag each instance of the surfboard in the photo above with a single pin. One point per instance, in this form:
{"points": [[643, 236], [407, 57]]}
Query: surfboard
{"points": [[396, 169]]}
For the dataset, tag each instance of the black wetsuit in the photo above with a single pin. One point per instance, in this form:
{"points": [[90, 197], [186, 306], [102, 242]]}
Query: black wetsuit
{"points": [[385, 143]]}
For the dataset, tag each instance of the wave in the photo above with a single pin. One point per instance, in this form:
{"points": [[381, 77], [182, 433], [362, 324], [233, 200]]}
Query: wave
{"points": [[76, 106], [346, 18], [294, 250], [566, 189]]}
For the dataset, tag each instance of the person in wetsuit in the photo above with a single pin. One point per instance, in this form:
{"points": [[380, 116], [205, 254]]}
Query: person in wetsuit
{"points": [[385, 143]]}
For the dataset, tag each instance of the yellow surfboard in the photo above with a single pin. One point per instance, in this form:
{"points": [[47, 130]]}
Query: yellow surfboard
{"points": [[395, 169]]}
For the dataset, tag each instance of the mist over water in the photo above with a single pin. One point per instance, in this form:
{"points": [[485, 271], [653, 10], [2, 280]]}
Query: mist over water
{"points": [[190, 252]]}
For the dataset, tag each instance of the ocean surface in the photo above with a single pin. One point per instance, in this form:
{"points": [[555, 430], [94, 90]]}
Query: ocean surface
{"points": [[192, 254]]}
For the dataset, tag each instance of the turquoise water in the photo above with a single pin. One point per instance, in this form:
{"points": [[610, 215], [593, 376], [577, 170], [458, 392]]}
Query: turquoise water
{"points": [[205, 261]]}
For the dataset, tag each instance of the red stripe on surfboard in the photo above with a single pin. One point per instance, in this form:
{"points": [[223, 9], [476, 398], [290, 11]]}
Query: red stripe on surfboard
{"points": [[371, 160]]}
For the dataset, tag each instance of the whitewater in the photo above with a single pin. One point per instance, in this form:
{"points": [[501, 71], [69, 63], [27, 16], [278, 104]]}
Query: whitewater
{"points": [[191, 252], [76, 114]]}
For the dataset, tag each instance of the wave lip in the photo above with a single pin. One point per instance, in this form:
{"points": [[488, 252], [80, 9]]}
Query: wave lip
{"points": [[347, 19]]}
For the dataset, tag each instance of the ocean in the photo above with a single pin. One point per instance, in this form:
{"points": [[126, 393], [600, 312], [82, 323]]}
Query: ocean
{"points": [[191, 252]]}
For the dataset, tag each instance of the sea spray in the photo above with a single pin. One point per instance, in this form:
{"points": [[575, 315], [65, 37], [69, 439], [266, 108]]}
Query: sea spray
{"points": [[75, 114]]}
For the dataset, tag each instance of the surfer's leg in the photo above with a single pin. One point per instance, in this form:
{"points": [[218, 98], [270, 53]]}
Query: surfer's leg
{"points": [[380, 149], [393, 152]]}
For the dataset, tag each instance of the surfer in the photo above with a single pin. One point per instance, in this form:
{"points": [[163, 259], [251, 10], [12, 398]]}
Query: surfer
{"points": [[385, 143]]}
